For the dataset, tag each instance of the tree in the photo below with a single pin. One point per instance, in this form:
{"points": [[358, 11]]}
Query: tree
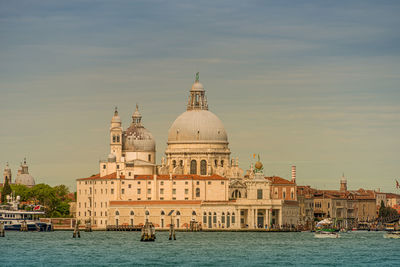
{"points": [[61, 191], [6, 191], [22, 191]]}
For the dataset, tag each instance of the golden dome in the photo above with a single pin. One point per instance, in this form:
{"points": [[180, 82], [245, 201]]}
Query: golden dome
{"points": [[258, 165]]}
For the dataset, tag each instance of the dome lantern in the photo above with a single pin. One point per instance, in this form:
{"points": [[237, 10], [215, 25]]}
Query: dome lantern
{"points": [[197, 98]]}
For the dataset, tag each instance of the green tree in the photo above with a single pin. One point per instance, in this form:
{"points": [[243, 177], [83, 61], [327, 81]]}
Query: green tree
{"points": [[61, 191], [6, 191], [22, 191]]}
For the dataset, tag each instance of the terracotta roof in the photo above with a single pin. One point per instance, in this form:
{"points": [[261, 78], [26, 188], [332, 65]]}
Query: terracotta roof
{"points": [[279, 180], [391, 195], [181, 177], [155, 202], [98, 177]]}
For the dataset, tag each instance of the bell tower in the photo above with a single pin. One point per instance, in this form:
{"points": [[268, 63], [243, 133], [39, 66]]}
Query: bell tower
{"points": [[343, 184], [7, 174], [116, 135]]}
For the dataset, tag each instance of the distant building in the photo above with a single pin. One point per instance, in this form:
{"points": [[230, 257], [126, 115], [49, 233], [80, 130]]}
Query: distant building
{"points": [[198, 180], [23, 177]]}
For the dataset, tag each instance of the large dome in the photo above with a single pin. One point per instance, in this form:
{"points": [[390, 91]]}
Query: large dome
{"points": [[25, 179], [197, 126]]}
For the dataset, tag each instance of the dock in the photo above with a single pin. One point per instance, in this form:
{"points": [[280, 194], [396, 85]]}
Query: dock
{"points": [[123, 228]]}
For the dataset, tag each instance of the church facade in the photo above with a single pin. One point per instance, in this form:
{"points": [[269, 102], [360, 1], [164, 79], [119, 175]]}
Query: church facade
{"points": [[196, 182]]}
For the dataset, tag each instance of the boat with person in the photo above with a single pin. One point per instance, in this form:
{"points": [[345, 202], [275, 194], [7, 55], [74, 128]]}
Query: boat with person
{"points": [[325, 229], [15, 219]]}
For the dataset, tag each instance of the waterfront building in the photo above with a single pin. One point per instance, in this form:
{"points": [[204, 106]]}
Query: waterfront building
{"points": [[198, 181], [23, 177]]}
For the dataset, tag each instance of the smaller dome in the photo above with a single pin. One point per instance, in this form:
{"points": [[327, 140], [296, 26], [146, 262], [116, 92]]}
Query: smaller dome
{"points": [[197, 86], [25, 179], [258, 165], [116, 118], [112, 158]]}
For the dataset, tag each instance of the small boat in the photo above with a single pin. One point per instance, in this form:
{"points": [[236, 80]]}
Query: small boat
{"points": [[324, 229], [392, 234], [326, 233]]}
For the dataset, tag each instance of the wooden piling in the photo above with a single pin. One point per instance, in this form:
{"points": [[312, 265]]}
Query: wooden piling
{"points": [[2, 231], [148, 232], [88, 226], [24, 227], [76, 233]]}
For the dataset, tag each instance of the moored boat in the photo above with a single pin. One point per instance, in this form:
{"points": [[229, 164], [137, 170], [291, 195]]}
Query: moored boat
{"points": [[15, 219], [324, 229]]}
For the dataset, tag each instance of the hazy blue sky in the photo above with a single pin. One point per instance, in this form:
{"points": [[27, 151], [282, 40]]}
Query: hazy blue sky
{"points": [[310, 83]]}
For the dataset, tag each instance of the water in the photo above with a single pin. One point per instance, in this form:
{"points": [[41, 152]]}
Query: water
{"points": [[197, 249]]}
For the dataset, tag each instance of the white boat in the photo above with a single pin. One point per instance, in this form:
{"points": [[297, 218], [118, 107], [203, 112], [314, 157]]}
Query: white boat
{"points": [[326, 234], [13, 218], [324, 229], [392, 234]]}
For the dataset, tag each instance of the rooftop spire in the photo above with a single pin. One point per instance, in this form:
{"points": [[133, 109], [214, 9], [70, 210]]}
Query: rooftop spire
{"points": [[116, 111]]}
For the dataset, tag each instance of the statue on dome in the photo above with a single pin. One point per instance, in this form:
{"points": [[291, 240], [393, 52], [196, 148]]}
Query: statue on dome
{"points": [[197, 76]]}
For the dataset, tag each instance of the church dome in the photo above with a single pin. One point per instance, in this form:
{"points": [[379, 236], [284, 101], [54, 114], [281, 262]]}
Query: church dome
{"points": [[136, 137], [197, 126], [25, 179]]}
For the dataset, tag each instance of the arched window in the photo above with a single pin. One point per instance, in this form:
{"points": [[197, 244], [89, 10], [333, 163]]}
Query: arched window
{"points": [[178, 213], [222, 163], [205, 217], [193, 213], [117, 213], [181, 163], [132, 213], [114, 138], [223, 217], [147, 212], [193, 167], [149, 157], [203, 167], [233, 217], [117, 138], [174, 163], [162, 212], [215, 217], [197, 192], [228, 220]]}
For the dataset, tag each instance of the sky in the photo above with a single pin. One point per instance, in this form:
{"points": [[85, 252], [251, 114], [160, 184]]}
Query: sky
{"points": [[314, 84]]}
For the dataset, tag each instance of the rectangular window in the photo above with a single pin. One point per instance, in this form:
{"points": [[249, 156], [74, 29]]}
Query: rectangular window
{"points": [[104, 166], [197, 182], [161, 198], [162, 183], [209, 182], [149, 182], [186, 198], [122, 191], [138, 182], [284, 194], [186, 191], [161, 191], [129, 186], [173, 191], [174, 182], [117, 166], [138, 191], [149, 158], [174, 198], [259, 193], [129, 174], [222, 182], [186, 182], [149, 191], [112, 190]]}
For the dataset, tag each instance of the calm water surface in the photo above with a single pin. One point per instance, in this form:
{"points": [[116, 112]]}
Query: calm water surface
{"points": [[197, 249]]}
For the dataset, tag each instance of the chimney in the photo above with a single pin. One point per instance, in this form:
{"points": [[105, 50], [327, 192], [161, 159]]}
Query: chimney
{"points": [[294, 174], [343, 184]]}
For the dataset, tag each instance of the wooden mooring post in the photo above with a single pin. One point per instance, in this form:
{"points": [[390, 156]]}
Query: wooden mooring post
{"points": [[88, 226], [148, 232], [76, 233], [24, 227], [2, 231], [172, 229]]}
